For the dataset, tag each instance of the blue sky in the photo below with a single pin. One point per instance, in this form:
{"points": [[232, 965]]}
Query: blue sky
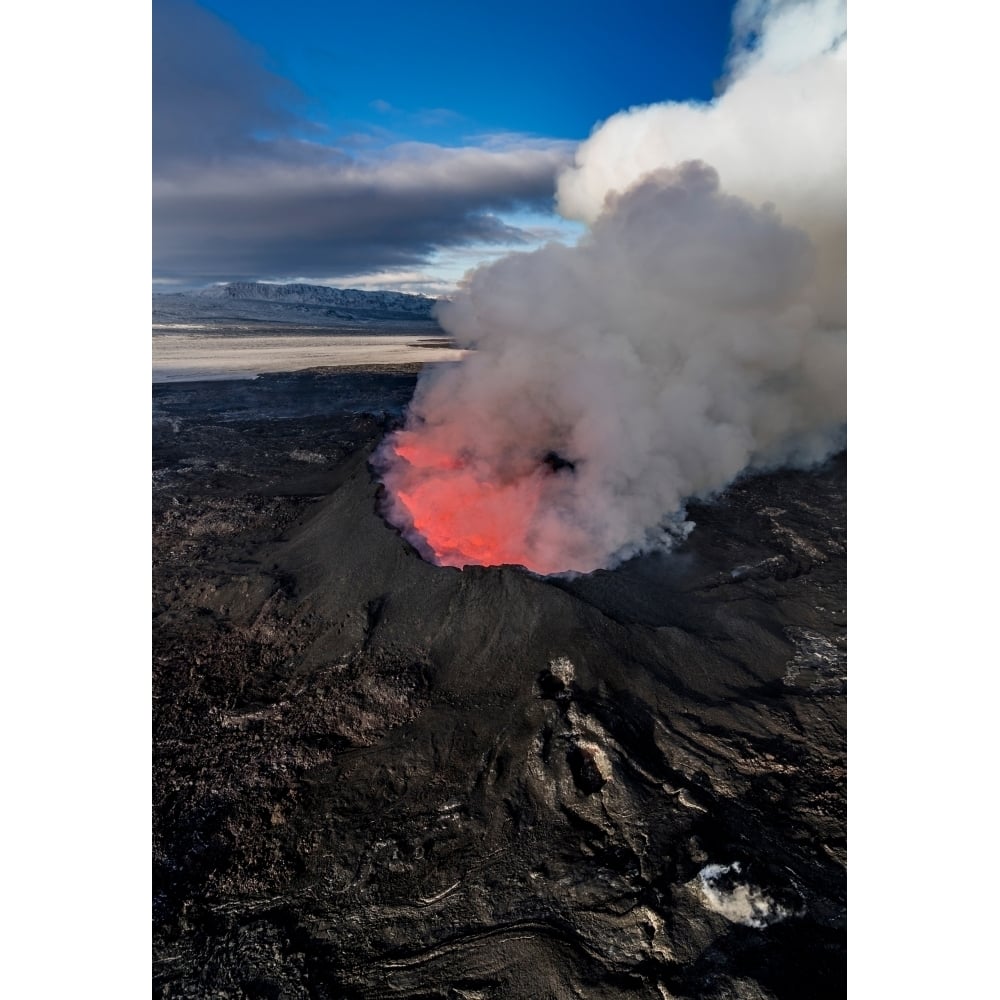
{"points": [[392, 144], [446, 70]]}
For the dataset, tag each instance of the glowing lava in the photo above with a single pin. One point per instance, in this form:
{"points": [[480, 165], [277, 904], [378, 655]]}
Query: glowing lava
{"points": [[463, 514]]}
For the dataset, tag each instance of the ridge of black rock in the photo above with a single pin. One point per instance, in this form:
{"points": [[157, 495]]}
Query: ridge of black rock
{"points": [[304, 294], [301, 304]]}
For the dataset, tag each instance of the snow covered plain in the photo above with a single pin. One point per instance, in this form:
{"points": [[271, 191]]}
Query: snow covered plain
{"points": [[184, 355], [245, 329]]}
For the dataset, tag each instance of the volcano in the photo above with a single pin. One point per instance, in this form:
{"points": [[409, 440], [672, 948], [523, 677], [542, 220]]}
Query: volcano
{"points": [[379, 776]]}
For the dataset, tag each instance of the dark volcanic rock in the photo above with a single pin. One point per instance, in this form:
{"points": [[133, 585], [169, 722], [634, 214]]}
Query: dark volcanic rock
{"points": [[376, 777]]}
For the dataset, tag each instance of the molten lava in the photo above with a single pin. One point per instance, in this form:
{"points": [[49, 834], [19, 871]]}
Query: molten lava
{"points": [[465, 517]]}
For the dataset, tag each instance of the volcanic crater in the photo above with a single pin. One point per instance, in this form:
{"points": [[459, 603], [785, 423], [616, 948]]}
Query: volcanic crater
{"points": [[378, 777]]}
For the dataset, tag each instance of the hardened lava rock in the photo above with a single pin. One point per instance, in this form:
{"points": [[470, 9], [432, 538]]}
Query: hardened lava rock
{"points": [[375, 777]]}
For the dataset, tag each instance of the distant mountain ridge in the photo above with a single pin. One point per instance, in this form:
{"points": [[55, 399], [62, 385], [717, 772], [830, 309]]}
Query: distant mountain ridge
{"points": [[255, 301]]}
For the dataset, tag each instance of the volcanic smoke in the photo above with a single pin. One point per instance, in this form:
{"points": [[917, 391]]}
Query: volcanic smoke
{"points": [[697, 330]]}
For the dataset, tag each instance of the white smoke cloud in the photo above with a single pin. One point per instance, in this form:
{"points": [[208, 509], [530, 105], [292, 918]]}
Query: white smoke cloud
{"points": [[784, 34], [777, 134], [696, 330], [738, 901]]}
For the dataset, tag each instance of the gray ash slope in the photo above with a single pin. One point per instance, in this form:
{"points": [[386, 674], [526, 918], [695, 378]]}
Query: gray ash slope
{"points": [[375, 777]]}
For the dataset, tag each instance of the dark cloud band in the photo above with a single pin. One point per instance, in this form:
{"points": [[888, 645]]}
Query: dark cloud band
{"points": [[231, 204]]}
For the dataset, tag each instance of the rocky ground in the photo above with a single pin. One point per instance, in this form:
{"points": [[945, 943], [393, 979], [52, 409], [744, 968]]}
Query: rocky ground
{"points": [[379, 778]]}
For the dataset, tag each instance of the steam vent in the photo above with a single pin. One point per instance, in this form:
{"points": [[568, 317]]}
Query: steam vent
{"points": [[380, 777]]}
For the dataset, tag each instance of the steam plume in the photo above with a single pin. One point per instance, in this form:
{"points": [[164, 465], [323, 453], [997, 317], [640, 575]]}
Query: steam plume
{"points": [[695, 331]]}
